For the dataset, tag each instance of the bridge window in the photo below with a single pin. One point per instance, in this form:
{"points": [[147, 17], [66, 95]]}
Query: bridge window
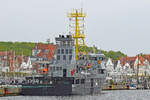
{"points": [[70, 57], [58, 51], [58, 57], [64, 57], [70, 51], [62, 51], [66, 51], [57, 68]]}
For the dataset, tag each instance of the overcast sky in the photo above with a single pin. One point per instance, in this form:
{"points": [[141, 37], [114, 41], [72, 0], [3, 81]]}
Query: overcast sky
{"points": [[120, 25]]}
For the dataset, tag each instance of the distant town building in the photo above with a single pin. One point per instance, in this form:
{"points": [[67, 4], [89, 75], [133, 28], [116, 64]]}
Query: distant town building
{"points": [[109, 65], [6, 60], [129, 60], [44, 51]]}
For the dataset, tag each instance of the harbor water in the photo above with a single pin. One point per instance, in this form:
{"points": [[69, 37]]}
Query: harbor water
{"points": [[105, 95]]}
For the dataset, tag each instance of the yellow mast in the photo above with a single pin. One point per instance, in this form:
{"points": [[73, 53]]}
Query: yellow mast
{"points": [[77, 23]]}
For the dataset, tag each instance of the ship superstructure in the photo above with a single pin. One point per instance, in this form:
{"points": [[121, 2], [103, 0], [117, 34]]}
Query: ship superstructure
{"points": [[73, 61], [90, 75], [87, 73], [64, 57]]}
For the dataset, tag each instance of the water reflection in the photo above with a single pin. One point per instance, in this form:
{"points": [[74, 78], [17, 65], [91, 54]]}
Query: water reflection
{"points": [[105, 95]]}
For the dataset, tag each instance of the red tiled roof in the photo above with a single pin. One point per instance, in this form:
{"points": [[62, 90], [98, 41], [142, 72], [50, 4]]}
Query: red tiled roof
{"points": [[50, 47], [147, 57], [129, 60], [141, 60]]}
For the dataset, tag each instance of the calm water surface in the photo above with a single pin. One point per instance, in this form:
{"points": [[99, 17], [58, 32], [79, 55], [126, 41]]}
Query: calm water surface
{"points": [[106, 95]]}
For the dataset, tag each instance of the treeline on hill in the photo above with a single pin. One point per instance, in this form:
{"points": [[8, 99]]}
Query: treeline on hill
{"points": [[20, 48], [115, 55], [25, 48]]}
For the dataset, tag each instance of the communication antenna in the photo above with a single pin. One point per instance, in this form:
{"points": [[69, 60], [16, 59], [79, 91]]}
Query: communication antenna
{"points": [[82, 4], [76, 18]]}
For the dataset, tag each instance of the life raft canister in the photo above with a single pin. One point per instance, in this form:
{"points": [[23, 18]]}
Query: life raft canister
{"points": [[6, 91], [98, 62]]}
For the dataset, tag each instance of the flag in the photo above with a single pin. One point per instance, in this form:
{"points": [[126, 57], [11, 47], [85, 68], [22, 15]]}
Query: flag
{"points": [[89, 65], [72, 72]]}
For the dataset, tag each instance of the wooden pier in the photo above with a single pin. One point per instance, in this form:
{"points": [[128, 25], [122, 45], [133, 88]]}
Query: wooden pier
{"points": [[117, 87]]}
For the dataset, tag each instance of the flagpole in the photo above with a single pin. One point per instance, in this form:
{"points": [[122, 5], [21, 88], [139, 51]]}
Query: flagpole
{"points": [[137, 71]]}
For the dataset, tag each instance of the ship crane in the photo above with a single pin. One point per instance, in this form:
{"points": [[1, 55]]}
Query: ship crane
{"points": [[76, 18]]}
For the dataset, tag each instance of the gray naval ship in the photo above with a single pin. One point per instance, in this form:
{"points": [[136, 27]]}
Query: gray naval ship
{"points": [[87, 73]]}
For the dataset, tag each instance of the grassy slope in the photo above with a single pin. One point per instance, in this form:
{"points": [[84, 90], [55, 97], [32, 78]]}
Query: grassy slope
{"points": [[25, 48]]}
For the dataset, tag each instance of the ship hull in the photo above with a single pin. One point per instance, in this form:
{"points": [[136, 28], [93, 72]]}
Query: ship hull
{"points": [[59, 87], [90, 87], [38, 90]]}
